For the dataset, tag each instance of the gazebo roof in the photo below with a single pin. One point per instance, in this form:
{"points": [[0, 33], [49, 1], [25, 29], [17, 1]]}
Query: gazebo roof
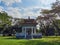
{"points": [[28, 22]]}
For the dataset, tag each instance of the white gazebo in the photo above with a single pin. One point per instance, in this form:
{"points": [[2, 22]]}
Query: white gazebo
{"points": [[28, 29]]}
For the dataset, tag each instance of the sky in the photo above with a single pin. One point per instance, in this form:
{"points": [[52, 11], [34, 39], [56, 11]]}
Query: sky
{"points": [[24, 8]]}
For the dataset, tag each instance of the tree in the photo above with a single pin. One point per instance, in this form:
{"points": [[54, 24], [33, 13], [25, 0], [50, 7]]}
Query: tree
{"points": [[56, 8], [4, 20], [52, 14], [45, 24]]}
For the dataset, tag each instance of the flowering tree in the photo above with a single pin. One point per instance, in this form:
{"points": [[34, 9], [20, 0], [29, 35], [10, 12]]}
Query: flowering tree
{"points": [[49, 18]]}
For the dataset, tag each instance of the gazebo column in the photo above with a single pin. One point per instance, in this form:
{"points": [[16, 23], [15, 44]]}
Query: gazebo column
{"points": [[32, 32], [22, 30], [25, 32]]}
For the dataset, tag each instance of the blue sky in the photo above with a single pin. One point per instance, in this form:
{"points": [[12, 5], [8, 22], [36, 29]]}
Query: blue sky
{"points": [[24, 8]]}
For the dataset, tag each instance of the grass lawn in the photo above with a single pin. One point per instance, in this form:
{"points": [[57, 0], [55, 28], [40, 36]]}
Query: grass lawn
{"points": [[53, 40]]}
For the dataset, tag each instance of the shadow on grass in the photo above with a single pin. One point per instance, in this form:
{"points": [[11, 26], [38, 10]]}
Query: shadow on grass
{"points": [[39, 42], [51, 36], [42, 42], [14, 38], [36, 42]]}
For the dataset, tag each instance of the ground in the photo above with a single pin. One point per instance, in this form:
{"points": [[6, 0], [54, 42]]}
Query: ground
{"points": [[52, 40]]}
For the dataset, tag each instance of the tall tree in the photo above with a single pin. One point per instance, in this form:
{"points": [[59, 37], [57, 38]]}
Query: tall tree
{"points": [[4, 18], [4, 21], [56, 8], [53, 13]]}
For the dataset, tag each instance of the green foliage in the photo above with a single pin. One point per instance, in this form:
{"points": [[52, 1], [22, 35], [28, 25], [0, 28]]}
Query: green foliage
{"points": [[45, 11], [55, 9], [58, 21], [4, 18]]}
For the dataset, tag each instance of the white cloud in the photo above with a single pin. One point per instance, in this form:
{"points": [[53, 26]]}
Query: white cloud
{"points": [[1, 8], [29, 12], [46, 2], [14, 12], [10, 2]]}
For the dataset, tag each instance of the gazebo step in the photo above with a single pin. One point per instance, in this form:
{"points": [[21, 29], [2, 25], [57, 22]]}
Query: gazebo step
{"points": [[28, 36]]}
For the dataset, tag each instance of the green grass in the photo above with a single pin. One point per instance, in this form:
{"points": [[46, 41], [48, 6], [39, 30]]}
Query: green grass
{"points": [[52, 40]]}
